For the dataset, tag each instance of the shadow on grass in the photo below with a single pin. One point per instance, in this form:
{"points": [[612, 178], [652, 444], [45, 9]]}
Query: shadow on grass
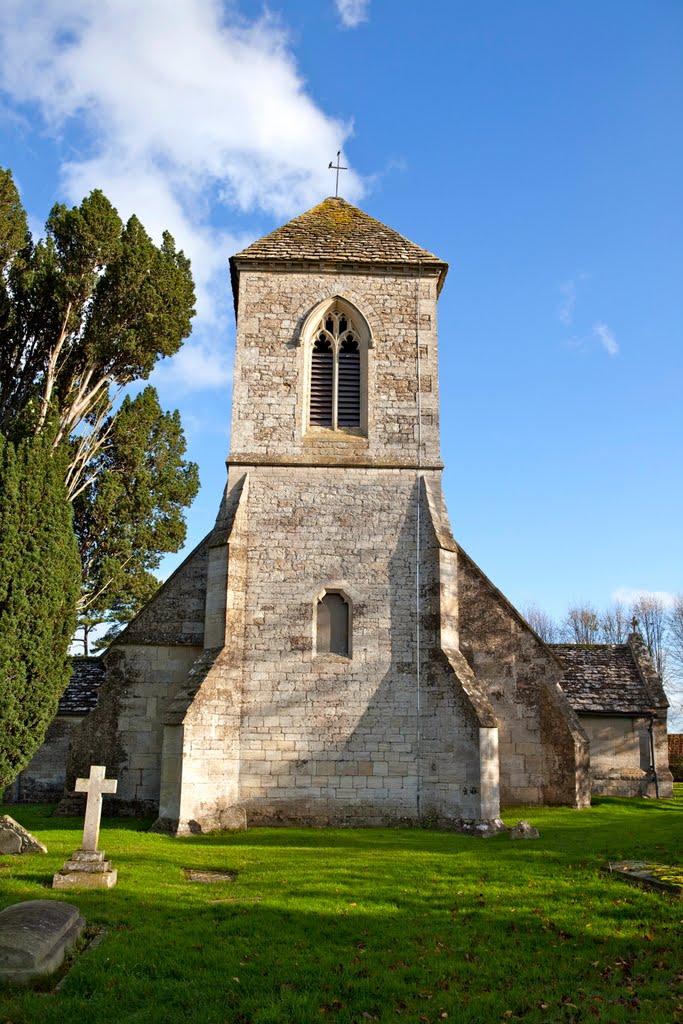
{"points": [[394, 949], [348, 925]]}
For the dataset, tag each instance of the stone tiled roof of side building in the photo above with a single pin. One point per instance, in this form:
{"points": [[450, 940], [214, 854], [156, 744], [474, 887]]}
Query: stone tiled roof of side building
{"points": [[336, 231], [80, 696], [604, 679]]}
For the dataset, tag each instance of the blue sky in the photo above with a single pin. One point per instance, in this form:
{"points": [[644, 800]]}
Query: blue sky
{"points": [[535, 146]]}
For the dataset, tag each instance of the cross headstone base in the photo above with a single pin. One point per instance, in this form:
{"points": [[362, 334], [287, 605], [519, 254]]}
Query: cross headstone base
{"points": [[87, 869]]}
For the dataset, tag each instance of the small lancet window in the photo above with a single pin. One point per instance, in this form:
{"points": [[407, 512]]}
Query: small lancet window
{"points": [[335, 398], [332, 625], [348, 393], [322, 380]]}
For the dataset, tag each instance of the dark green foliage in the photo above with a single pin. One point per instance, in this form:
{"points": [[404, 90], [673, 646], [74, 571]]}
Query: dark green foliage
{"points": [[92, 306], [13, 226], [39, 583], [84, 312], [133, 510]]}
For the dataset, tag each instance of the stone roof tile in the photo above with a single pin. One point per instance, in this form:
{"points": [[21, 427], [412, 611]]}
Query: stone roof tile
{"points": [[80, 696], [602, 678], [335, 230]]}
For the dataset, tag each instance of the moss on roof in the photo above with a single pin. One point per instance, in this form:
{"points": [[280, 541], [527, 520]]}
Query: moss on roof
{"points": [[603, 678], [335, 230]]}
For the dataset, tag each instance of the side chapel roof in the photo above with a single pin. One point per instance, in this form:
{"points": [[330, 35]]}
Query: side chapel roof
{"points": [[80, 696], [609, 679], [335, 231]]}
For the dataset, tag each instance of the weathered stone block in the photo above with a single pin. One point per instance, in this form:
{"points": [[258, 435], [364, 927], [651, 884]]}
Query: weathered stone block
{"points": [[87, 869], [15, 839], [35, 937]]}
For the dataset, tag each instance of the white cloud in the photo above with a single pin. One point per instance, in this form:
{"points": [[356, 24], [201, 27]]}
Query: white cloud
{"points": [[607, 338], [189, 112], [199, 366], [352, 12], [629, 595], [568, 291]]}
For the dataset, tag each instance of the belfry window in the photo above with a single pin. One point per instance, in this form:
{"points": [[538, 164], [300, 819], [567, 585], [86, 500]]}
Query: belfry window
{"points": [[335, 393], [332, 625], [322, 382]]}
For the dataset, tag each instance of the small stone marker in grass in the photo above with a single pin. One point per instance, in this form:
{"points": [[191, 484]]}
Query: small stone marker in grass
{"points": [[88, 869], [523, 830], [196, 875], [15, 839], [662, 877], [35, 937]]}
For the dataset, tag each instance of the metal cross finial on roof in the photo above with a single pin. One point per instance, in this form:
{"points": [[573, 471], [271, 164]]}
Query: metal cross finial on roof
{"points": [[634, 625], [337, 167]]}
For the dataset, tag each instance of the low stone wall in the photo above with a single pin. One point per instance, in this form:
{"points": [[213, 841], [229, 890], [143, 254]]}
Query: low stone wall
{"points": [[620, 756], [42, 781]]}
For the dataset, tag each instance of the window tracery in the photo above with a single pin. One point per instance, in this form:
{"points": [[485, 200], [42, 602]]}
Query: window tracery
{"points": [[335, 380]]}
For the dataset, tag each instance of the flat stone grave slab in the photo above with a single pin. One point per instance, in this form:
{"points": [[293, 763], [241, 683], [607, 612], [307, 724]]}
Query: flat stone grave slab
{"points": [[197, 875], [35, 936], [662, 877]]}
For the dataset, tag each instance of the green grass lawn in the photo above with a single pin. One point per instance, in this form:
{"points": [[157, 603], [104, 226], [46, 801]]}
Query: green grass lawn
{"points": [[355, 925]]}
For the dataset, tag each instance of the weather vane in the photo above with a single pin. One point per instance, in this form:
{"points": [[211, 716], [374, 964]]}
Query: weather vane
{"points": [[337, 167]]}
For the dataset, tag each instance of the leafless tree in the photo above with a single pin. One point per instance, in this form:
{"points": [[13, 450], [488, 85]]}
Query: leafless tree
{"points": [[675, 630], [652, 621], [614, 624], [542, 623], [675, 651], [661, 630], [581, 625]]}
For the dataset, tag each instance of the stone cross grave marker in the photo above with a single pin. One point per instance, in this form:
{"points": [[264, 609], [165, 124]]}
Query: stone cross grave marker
{"points": [[95, 787], [87, 867]]}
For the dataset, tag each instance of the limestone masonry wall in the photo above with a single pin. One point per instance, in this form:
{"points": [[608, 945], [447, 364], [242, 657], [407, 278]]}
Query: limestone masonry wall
{"points": [[124, 732], [620, 755], [323, 737], [543, 749], [43, 778], [269, 415], [175, 615]]}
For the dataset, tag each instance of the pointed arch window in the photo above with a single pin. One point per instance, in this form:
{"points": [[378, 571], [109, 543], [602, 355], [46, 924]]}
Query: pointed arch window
{"points": [[335, 379]]}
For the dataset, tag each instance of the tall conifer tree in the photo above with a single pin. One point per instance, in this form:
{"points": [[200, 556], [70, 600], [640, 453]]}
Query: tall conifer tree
{"points": [[39, 585]]}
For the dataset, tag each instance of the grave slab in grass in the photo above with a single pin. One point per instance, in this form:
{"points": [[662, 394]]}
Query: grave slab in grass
{"points": [[35, 936], [197, 875], [662, 877]]}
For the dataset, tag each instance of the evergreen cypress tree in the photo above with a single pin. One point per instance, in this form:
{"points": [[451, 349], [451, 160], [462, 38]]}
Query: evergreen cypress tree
{"points": [[39, 585]]}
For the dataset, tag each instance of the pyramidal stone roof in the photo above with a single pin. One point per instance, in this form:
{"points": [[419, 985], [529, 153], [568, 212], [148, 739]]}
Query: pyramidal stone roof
{"points": [[336, 231]]}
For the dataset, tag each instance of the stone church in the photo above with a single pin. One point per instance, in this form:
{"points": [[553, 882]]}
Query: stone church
{"points": [[328, 654]]}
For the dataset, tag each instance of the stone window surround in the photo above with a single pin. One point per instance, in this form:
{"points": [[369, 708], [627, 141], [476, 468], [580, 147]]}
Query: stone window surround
{"points": [[361, 330], [319, 595]]}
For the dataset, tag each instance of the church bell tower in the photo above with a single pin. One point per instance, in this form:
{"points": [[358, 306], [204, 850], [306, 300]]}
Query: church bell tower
{"points": [[337, 680], [328, 655]]}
